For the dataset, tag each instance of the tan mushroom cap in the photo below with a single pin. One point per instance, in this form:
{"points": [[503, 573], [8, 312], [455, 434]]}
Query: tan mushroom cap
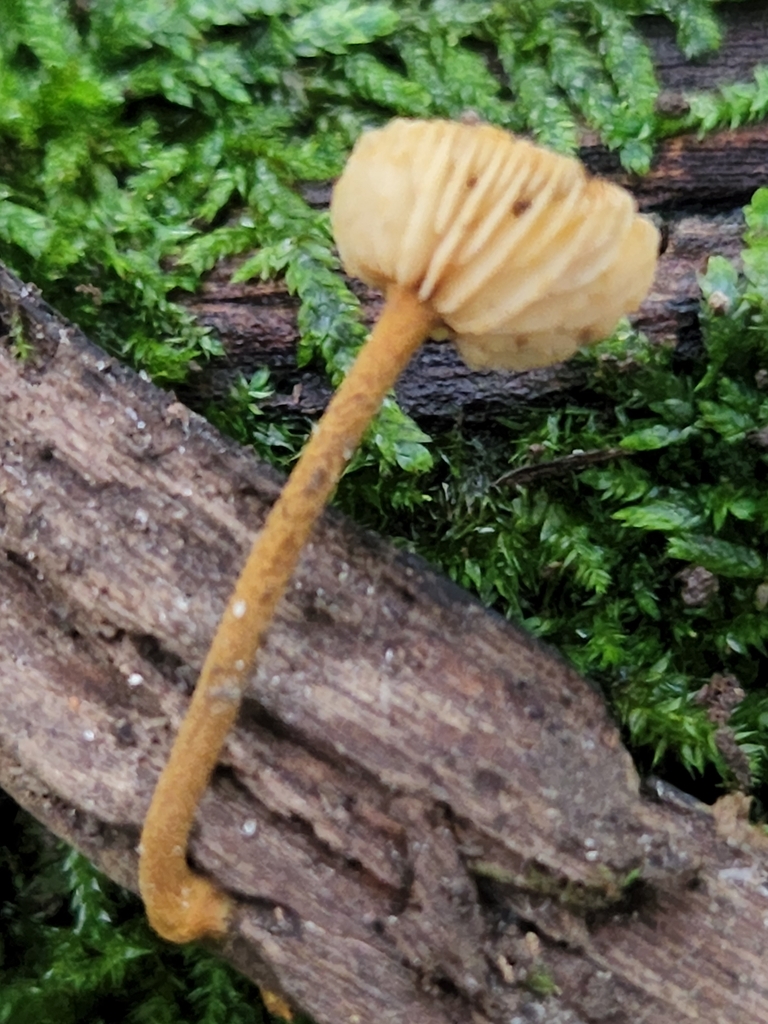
{"points": [[522, 254]]}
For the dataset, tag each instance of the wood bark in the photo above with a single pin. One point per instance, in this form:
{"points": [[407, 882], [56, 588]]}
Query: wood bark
{"points": [[256, 322], [423, 814]]}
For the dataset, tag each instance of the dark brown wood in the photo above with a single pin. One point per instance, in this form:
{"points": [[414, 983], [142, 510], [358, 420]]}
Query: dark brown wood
{"points": [[744, 45], [423, 814], [721, 169], [256, 322]]}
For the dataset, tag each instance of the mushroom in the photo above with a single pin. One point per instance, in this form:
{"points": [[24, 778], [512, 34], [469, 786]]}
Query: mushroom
{"points": [[515, 253]]}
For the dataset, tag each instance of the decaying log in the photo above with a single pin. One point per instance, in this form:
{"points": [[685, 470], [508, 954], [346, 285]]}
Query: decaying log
{"points": [[424, 815], [744, 45], [256, 322]]}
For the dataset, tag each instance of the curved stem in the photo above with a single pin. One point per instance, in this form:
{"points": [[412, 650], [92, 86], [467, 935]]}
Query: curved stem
{"points": [[180, 904]]}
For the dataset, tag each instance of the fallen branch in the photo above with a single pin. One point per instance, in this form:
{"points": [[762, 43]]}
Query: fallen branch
{"points": [[256, 322], [423, 815]]}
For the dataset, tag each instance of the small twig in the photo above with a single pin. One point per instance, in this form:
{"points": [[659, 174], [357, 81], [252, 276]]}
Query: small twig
{"points": [[561, 466]]}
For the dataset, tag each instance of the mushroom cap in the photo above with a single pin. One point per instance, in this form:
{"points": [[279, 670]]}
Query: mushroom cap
{"points": [[521, 253]]}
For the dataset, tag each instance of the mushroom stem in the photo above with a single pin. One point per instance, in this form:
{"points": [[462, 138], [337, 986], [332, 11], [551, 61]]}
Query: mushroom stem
{"points": [[182, 905]]}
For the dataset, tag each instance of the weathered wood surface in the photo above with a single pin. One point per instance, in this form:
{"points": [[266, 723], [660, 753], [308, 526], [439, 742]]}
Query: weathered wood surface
{"points": [[423, 814], [745, 44], [697, 186], [256, 321]]}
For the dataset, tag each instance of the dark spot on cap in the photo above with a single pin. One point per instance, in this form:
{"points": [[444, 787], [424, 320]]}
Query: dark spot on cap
{"points": [[520, 206], [471, 182]]}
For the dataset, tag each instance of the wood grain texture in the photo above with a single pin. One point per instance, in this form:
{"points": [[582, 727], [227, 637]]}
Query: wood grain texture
{"points": [[745, 44], [422, 812]]}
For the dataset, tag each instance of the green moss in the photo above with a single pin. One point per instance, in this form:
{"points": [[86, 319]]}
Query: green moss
{"points": [[602, 890], [21, 346], [540, 982], [74, 947]]}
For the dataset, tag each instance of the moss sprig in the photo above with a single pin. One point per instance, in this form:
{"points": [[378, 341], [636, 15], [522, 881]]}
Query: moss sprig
{"points": [[75, 947], [728, 106]]}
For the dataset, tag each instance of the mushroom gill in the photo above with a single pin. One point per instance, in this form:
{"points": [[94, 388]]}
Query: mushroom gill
{"points": [[520, 252]]}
